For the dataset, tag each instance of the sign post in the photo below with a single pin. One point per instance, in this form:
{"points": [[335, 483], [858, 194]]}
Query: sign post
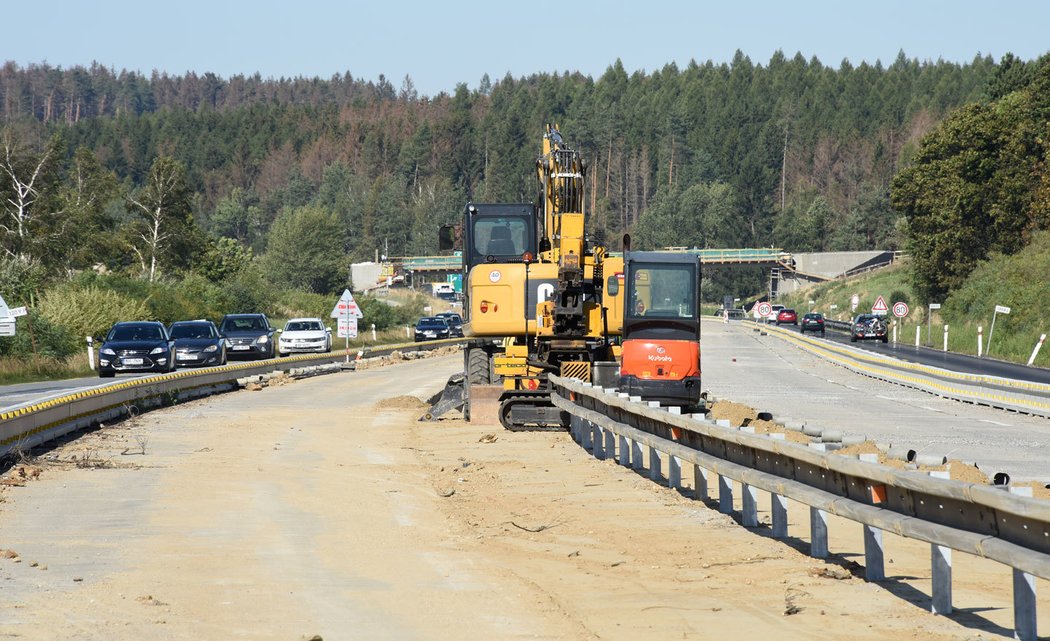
{"points": [[999, 309], [929, 324], [347, 312]]}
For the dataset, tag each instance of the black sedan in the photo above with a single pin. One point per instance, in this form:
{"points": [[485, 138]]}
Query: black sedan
{"points": [[455, 323], [197, 343], [812, 322], [430, 328], [139, 346]]}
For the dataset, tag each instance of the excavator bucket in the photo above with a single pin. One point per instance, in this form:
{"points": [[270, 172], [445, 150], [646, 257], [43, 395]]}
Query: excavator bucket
{"points": [[450, 398]]}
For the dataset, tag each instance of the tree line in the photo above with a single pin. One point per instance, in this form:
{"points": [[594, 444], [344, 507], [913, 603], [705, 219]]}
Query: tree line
{"points": [[790, 153]]}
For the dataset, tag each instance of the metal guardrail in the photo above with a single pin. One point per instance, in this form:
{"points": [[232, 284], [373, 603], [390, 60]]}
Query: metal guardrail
{"points": [[32, 424], [994, 391], [981, 520]]}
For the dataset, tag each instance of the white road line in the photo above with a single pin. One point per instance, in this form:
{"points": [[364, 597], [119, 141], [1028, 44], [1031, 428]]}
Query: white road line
{"points": [[985, 420]]}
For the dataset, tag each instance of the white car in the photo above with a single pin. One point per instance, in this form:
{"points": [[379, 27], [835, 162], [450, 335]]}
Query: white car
{"points": [[304, 335]]}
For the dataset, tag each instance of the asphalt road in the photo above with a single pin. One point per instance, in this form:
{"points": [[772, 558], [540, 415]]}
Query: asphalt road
{"points": [[938, 358], [770, 374], [24, 393]]}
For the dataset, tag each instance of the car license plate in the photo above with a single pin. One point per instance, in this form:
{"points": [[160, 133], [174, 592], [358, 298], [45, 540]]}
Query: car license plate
{"points": [[132, 361], [241, 347], [186, 357]]}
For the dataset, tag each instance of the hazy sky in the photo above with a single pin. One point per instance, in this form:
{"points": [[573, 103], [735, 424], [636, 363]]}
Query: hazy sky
{"points": [[440, 44]]}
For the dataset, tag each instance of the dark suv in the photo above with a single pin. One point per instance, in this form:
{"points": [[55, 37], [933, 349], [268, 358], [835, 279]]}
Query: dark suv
{"points": [[247, 335], [455, 323], [432, 328]]}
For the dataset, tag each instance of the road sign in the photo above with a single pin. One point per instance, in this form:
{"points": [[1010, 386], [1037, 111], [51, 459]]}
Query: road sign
{"points": [[854, 301], [346, 306], [900, 309], [347, 328], [17, 311], [7, 328], [765, 309], [935, 306], [880, 306], [4, 312], [1002, 309]]}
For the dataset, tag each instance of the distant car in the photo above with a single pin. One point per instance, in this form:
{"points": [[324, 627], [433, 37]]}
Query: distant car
{"points": [[197, 342], [775, 311], [868, 327], [304, 335], [455, 323], [432, 328], [812, 322], [786, 316], [137, 346], [248, 335]]}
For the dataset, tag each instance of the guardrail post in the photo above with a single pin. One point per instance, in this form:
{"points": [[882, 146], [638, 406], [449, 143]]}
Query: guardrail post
{"points": [[918, 331], [818, 533], [725, 495], [610, 444], [674, 472], [699, 483], [585, 435], [655, 471], [749, 498], [1024, 606], [636, 456], [598, 441], [625, 451], [574, 427], [874, 570], [779, 508], [941, 571]]}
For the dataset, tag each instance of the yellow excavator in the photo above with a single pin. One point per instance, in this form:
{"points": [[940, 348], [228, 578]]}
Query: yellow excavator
{"points": [[540, 297]]}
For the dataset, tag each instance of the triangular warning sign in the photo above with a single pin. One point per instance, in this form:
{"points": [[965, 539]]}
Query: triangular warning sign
{"points": [[346, 307], [880, 306], [4, 312]]}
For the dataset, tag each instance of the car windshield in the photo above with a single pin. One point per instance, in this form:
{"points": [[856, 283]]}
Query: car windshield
{"points": [[135, 333], [432, 323], [242, 325], [304, 326], [813, 317], [191, 331], [453, 319]]}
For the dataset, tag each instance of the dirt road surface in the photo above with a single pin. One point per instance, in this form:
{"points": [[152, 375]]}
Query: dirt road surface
{"points": [[322, 507]]}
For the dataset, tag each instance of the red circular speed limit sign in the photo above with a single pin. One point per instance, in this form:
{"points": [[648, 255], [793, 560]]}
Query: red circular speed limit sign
{"points": [[900, 309], [765, 309]]}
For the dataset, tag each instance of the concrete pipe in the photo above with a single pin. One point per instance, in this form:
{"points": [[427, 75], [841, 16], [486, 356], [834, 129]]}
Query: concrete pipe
{"points": [[794, 426], [901, 454], [1001, 478], [883, 446], [812, 430], [853, 439], [764, 416], [930, 460], [831, 436]]}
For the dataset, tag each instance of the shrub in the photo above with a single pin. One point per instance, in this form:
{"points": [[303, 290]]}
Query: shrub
{"points": [[88, 311]]}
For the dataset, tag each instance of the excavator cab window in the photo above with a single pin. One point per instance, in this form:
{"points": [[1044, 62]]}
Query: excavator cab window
{"points": [[662, 298], [500, 237]]}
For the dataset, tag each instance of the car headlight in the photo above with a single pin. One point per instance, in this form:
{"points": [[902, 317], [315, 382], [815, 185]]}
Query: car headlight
{"points": [[157, 350], [108, 352], [211, 348], [262, 339]]}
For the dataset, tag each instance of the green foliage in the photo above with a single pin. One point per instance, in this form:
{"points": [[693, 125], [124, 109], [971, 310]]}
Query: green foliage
{"points": [[88, 310], [305, 251], [20, 279], [224, 258]]}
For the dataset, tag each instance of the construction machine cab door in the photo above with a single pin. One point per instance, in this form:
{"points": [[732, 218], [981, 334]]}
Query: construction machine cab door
{"points": [[662, 300], [499, 233]]}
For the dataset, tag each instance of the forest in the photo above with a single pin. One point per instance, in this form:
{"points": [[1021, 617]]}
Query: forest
{"points": [[259, 183]]}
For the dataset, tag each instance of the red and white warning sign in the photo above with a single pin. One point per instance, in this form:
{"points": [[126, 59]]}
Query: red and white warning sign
{"points": [[880, 306]]}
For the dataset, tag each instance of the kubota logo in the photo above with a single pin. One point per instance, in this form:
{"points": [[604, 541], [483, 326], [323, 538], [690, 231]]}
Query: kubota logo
{"points": [[660, 350], [661, 359]]}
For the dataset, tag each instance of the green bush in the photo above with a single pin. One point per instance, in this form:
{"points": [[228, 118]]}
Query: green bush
{"points": [[89, 311], [36, 335]]}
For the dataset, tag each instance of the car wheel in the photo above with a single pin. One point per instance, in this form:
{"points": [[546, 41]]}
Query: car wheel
{"points": [[105, 373], [885, 339], [853, 339]]}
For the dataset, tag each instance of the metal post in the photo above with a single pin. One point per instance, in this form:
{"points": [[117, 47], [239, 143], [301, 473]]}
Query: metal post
{"points": [[610, 444], [945, 337], [674, 472], [991, 332], [749, 498], [725, 495], [874, 568], [918, 334], [980, 340], [598, 442], [1024, 606], [894, 332], [585, 435], [941, 569], [1035, 352], [655, 471], [625, 451], [636, 456], [374, 339], [91, 352], [699, 483], [779, 507], [818, 533]]}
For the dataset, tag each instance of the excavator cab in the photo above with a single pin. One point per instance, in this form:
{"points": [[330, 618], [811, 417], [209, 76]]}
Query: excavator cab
{"points": [[661, 328]]}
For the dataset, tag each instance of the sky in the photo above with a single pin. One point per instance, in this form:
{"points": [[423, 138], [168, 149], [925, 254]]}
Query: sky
{"points": [[442, 43]]}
